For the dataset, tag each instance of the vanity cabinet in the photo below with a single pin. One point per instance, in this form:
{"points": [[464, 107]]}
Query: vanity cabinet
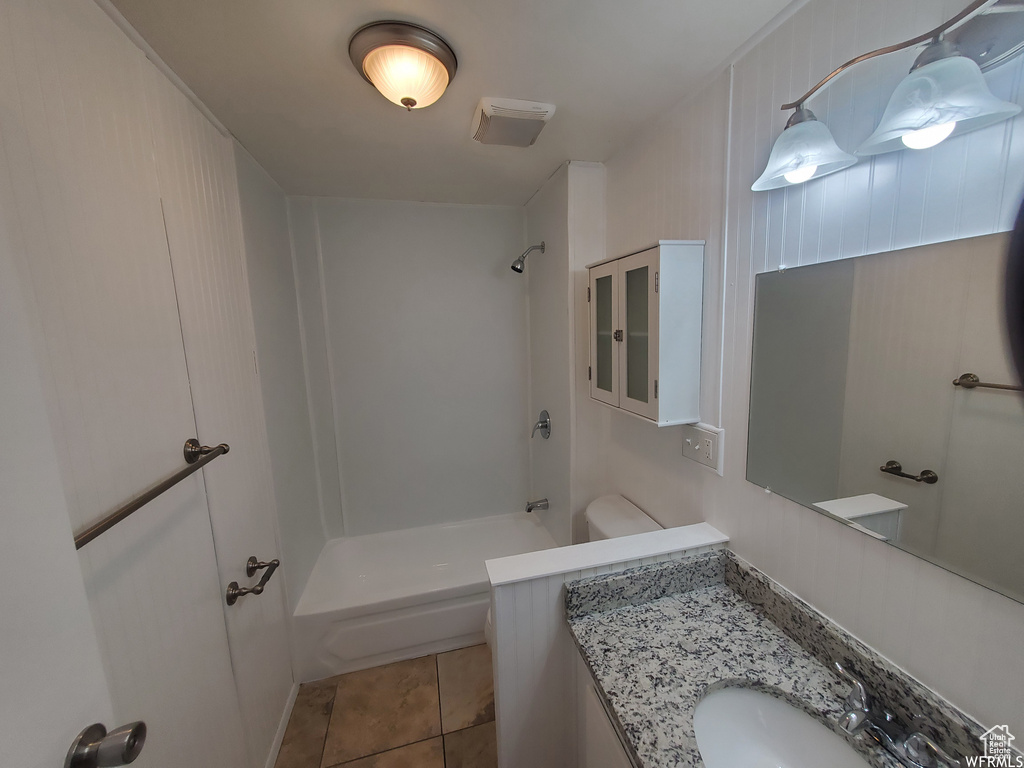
{"points": [[599, 743], [645, 331]]}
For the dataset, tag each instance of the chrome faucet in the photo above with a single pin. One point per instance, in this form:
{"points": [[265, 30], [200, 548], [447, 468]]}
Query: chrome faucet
{"points": [[914, 749], [539, 504]]}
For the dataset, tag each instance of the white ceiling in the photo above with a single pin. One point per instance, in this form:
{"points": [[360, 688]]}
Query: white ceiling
{"points": [[277, 74]]}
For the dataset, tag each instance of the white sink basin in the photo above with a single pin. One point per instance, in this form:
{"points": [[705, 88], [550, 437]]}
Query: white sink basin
{"points": [[743, 727]]}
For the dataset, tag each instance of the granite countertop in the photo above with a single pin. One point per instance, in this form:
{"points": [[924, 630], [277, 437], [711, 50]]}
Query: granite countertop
{"points": [[658, 638]]}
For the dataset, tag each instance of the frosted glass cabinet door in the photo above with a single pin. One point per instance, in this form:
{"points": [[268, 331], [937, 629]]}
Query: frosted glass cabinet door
{"points": [[604, 323], [638, 368], [645, 331]]}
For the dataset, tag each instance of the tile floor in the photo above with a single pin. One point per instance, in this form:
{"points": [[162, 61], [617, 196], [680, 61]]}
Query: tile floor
{"points": [[431, 712]]}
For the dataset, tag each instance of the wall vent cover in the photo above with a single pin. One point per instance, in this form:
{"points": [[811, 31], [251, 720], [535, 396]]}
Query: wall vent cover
{"points": [[509, 122]]}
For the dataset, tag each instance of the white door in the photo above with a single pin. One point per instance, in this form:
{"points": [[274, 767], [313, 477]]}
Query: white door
{"points": [[53, 683], [207, 251], [80, 202]]}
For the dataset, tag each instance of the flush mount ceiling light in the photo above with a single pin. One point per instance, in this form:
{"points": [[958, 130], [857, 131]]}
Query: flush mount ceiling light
{"points": [[804, 151], [410, 65], [944, 95]]}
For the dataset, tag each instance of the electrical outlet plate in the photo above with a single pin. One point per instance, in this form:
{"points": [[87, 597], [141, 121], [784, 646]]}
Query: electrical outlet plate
{"points": [[703, 443]]}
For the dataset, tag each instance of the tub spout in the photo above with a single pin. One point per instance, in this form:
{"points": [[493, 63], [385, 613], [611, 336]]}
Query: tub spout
{"points": [[539, 504]]}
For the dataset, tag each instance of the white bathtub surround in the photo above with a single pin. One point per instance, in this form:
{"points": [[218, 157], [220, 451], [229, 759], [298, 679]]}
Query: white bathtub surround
{"points": [[568, 214], [268, 261], [534, 656], [414, 332], [396, 595], [547, 277]]}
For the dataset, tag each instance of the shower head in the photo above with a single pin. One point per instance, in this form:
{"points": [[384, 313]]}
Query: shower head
{"points": [[520, 264]]}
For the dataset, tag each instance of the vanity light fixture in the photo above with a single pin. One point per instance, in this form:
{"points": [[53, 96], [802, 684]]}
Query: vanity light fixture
{"points": [[804, 151], [410, 65], [944, 95]]}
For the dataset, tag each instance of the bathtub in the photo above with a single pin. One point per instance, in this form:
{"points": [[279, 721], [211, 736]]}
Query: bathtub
{"points": [[385, 597]]}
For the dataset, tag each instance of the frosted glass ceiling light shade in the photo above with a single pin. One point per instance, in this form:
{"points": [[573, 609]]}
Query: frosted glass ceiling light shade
{"points": [[408, 64], [941, 98], [804, 151], [402, 73]]}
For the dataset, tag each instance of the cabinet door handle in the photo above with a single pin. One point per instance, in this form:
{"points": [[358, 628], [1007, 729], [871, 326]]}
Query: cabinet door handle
{"points": [[617, 336], [234, 591]]}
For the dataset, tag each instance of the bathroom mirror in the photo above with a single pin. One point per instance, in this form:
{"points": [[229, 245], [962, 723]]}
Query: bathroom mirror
{"points": [[852, 372]]}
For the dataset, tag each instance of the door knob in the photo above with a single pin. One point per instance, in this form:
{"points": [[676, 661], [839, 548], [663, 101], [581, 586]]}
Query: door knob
{"points": [[95, 748], [543, 424]]}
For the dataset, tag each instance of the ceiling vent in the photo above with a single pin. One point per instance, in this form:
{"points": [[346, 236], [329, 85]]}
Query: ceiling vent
{"points": [[509, 122]]}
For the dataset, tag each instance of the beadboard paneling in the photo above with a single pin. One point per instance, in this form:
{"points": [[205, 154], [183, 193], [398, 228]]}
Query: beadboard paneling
{"points": [[198, 186], [667, 183], [534, 656], [967, 186], [81, 203]]}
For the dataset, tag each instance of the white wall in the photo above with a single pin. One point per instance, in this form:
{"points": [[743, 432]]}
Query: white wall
{"points": [[587, 223], [306, 266], [82, 206], [48, 631], [668, 182], [550, 351], [199, 200], [568, 213], [121, 205], [424, 326], [281, 372]]}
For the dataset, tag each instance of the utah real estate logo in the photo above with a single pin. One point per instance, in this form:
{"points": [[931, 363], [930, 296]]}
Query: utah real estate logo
{"points": [[998, 750]]}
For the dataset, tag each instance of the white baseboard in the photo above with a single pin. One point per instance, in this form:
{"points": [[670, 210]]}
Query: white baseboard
{"points": [[275, 746]]}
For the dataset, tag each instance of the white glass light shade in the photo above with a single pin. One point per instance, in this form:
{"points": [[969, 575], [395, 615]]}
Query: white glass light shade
{"points": [[406, 76], [928, 137], [805, 144], [950, 90]]}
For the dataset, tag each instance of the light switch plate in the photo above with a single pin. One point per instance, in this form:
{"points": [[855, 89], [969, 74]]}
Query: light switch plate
{"points": [[703, 443]]}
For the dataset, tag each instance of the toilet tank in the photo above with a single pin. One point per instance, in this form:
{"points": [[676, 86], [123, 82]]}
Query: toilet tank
{"points": [[611, 516]]}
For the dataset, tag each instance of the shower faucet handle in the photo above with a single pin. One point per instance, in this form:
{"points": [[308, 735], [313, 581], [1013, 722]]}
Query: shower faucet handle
{"points": [[543, 424]]}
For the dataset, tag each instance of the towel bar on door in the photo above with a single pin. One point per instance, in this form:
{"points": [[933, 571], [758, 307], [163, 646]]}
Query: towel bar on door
{"points": [[970, 381], [197, 456]]}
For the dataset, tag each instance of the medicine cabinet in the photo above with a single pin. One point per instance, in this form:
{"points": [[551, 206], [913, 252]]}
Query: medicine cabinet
{"points": [[645, 326]]}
